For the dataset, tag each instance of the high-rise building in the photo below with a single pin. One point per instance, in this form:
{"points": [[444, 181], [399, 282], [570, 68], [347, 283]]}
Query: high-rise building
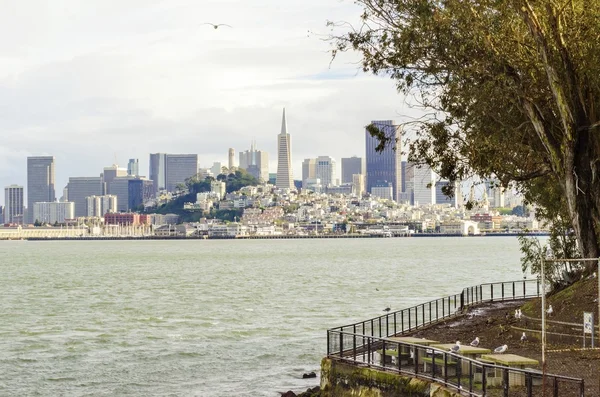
{"points": [[109, 174], [53, 212], [358, 182], [442, 198], [216, 168], [99, 205], [119, 187], [231, 157], [40, 182], [158, 171], [383, 190], [133, 167], [309, 168], [385, 165], [284, 179], [423, 185], [256, 162], [325, 170], [140, 191], [179, 167], [13, 204], [351, 166], [82, 187]]}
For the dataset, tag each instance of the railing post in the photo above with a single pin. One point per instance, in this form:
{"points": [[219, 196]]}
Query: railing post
{"points": [[383, 355], [581, 388], [416, 359], [328, 347], [423, 314], [524, 288], [437, 316], [395, 324], [529, 384], [483, 380], [513, 290], [402, 320], [341, 345], [471, 375], [429, 312], [354, 343], [400, 348], [369, 351], [445, 367], [555, 387], [409, 322], [505, 381], [462, 300], [502, 288], [491, 292]]}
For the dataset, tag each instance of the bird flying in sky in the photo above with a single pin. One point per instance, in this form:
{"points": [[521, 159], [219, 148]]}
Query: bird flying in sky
{"points": [[216, 26]]}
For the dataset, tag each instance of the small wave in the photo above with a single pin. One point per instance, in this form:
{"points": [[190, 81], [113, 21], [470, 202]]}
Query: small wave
{"points": [[61, 379]]}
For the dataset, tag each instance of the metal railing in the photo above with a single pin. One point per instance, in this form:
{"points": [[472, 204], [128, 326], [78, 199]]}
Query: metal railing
{"points": [[357, 343], [416, 317], [469, 376]]}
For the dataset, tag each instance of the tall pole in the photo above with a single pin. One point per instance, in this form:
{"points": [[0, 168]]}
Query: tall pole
{"points": [[543, 262]]}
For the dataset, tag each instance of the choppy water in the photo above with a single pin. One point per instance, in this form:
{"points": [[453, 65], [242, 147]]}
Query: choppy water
{"points": [[210, 318]]}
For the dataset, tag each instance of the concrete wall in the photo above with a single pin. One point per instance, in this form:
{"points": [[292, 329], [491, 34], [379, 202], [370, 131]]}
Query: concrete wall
{"points": [[343, 380]]}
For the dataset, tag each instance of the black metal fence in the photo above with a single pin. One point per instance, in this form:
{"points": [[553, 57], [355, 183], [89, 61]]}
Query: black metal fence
{"points": [[364, 343], [471, 377]]}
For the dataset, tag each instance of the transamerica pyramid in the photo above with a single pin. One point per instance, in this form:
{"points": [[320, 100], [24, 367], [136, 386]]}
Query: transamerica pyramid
{"points": [[284, 179]]}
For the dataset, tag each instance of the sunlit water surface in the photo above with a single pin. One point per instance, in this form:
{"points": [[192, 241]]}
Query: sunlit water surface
{"points": [[210, 318]]}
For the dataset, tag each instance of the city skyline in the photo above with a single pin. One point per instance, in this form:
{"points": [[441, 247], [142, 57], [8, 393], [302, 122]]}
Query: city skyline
{"points": [[96, 87]]}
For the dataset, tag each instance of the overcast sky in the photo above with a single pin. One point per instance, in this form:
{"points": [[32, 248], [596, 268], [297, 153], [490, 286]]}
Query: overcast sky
{"points": [[93, 81]]}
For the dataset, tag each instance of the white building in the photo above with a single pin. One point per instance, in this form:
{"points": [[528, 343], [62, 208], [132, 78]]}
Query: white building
{"points": [[256, 162], [13, 204], [219, 188], [97, 206], [423, 185], [56, 212], [383, 190], [284, 179], [325, 170]]}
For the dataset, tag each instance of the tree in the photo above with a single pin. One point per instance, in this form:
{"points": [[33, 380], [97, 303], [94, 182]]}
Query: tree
{"points": [[512, 88]]}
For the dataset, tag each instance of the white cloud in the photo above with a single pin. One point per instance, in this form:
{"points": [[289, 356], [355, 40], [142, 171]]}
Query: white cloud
{"points": [[91, 81]]}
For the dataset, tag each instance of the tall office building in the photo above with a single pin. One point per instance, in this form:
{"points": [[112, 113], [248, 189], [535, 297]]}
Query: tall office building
{"points": [[158, 171], [99, 205], [133, 167], [139, 192], [40, 182], [424, 192], [284, 179], [325, 170], [256, 162], [231, 157], [385, 165], [216, 168], [309, 168], [358, 184], [109, 174], [351, 166], [179, 167], [13, 204], [53, 212], [82, 187]]}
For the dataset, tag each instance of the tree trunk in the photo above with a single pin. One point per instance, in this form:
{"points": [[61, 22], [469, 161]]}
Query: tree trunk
{"points": [[582, 192]]}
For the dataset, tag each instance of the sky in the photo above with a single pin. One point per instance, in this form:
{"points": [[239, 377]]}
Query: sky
{"points": [[98, 82]]}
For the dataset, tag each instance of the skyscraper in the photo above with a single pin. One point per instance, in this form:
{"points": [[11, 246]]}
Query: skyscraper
{"points": [[384, 166], [256, 162], [82, 187], [178, 168], [40, 182], [13, 204], [325, 170], [157, 172], [351, 166], [284, 158], [423, 185], [308, 171], [109, 174], [133, 167]]}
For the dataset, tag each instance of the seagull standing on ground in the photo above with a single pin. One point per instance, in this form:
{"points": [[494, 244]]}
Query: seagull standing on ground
{"points": [[523, 338], [216, 26], [475, 342], [549, 311], [501, 349], [456, 347]]}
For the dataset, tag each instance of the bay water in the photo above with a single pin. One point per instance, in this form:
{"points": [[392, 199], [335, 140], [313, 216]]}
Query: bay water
{"points": [[210, 317]]}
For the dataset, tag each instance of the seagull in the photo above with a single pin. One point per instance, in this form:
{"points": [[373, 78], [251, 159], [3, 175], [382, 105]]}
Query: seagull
{"points": [[501, 349], [216, 26], [475, 342], [376, 289], [412, 354], [456, 347], [549, 311], [387, 309], [523, 338]]}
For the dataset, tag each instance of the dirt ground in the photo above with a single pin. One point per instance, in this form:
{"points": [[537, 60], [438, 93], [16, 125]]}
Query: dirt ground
{"points": [[495, 325]]}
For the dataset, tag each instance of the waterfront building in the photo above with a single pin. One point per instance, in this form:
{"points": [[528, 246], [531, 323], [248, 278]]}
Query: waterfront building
{"points": [[133, 167], [53, 212], [325, 170], [13, 204], [384, 165], [350, 167], [109, 174], [40, 182], [158, 172], [284, 178], [122, 218], [179, 167], [79, 188], [255, 162], [309, 167], [231, 159], [97, 206]]}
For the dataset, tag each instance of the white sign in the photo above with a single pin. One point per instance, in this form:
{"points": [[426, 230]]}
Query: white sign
{"points": [[588, 323]]}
